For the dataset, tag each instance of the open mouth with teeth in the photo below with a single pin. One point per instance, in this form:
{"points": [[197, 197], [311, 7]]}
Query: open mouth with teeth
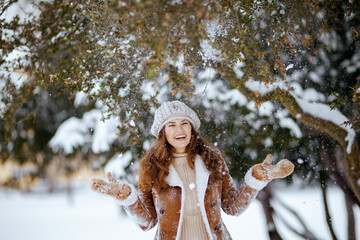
{"points": [[181, 137]]}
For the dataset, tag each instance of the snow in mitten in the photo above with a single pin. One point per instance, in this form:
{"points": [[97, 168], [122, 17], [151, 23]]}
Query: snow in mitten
{"points": [[267, 172], [116, 188]]}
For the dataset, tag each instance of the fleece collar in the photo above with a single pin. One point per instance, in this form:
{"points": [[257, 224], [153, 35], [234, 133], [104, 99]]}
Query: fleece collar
{"points": [[201, 173]]}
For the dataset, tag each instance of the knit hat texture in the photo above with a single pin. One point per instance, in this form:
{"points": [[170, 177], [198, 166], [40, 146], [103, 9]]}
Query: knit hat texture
{"points": [[173, 110]]}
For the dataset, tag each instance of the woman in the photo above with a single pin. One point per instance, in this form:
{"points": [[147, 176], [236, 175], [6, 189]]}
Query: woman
{"points": [[184, 181]]}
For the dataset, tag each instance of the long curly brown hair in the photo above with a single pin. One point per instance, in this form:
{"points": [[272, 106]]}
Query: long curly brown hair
{"points": [[154, 165]]}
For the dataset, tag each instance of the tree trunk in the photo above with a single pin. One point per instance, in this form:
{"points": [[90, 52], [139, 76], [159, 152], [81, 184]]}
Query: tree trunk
{"points": [[353, 168], [264, 197], [335, 170], [350, 218], [327, 212]]}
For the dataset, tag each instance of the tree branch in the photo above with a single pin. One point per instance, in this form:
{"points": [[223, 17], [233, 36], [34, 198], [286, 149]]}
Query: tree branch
{"points": [[289, 102], [328, 159], [328, 217], [7, 6], [339, 134], [238, 84], [306, 234], [350, 218], [265, 197]]}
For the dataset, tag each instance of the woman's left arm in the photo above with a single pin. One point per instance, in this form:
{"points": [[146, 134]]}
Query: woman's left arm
{"points": [[235, 200]]}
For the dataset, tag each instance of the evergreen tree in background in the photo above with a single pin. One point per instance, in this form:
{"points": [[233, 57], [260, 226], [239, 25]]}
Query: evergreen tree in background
{"points": [[127, 57]]}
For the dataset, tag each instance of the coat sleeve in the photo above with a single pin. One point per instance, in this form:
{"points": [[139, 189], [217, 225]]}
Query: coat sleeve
{"points": [[140, 207], [235, 201]]}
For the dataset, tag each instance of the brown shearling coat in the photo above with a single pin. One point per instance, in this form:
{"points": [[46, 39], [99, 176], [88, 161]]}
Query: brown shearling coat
{"points": [[164, 206]]}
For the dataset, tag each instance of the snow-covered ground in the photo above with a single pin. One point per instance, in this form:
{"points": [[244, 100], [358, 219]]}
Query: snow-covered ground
{"points": [[91, 216]]}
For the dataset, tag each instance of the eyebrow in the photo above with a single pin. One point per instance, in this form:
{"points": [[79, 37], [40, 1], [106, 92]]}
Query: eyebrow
{"points": [[185, 120]]}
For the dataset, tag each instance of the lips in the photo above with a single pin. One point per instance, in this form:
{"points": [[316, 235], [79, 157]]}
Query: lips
{"points": [[180, 137]]}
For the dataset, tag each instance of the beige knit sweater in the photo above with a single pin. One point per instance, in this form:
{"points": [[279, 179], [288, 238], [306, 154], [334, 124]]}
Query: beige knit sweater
{"points": [[193, 226]]}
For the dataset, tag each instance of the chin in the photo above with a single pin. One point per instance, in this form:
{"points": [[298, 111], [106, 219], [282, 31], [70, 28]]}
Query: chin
{"points": [[181, 147]]}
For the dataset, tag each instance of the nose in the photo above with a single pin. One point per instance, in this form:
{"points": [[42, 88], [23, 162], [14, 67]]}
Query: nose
{"points": [[179, 129]]}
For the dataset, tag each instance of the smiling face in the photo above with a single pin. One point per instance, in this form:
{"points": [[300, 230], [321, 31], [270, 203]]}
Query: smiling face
{"points": [[178, 134]]}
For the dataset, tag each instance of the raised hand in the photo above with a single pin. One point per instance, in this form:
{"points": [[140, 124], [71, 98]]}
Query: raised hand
{"points": [[114, 187], [265, 171]]}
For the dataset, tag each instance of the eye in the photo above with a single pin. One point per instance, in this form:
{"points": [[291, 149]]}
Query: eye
{"points": [[170, 125], [185, 123]]}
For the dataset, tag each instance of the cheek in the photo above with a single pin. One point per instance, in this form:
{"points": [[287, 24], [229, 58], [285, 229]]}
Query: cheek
{"points": [[166, 137], [168, 134], [188, 130], [188, 133]]}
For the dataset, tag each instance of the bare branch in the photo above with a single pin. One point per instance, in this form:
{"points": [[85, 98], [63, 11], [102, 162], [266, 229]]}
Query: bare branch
{"points": [[265, 197], [7, 6], [328, 217], [306, 233]]}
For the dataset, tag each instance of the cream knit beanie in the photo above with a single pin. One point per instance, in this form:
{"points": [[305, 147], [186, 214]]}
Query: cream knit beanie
{"points": [[173, 110]]}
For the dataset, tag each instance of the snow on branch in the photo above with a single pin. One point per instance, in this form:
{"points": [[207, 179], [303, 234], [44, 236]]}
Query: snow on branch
{"points": [[75, 133], [22, 8], [324, 112], [288, 93], [208, 52], [70, 135], [210, 89], [307, 104], [117, 164], [264, 88]]}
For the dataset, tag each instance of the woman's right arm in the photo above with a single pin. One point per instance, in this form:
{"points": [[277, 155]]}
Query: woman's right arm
{"points": [[140, 207]]}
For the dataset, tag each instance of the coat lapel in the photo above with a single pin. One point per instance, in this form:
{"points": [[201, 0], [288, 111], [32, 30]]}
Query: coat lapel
{"points": [[174, 180], [202, 178]]}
